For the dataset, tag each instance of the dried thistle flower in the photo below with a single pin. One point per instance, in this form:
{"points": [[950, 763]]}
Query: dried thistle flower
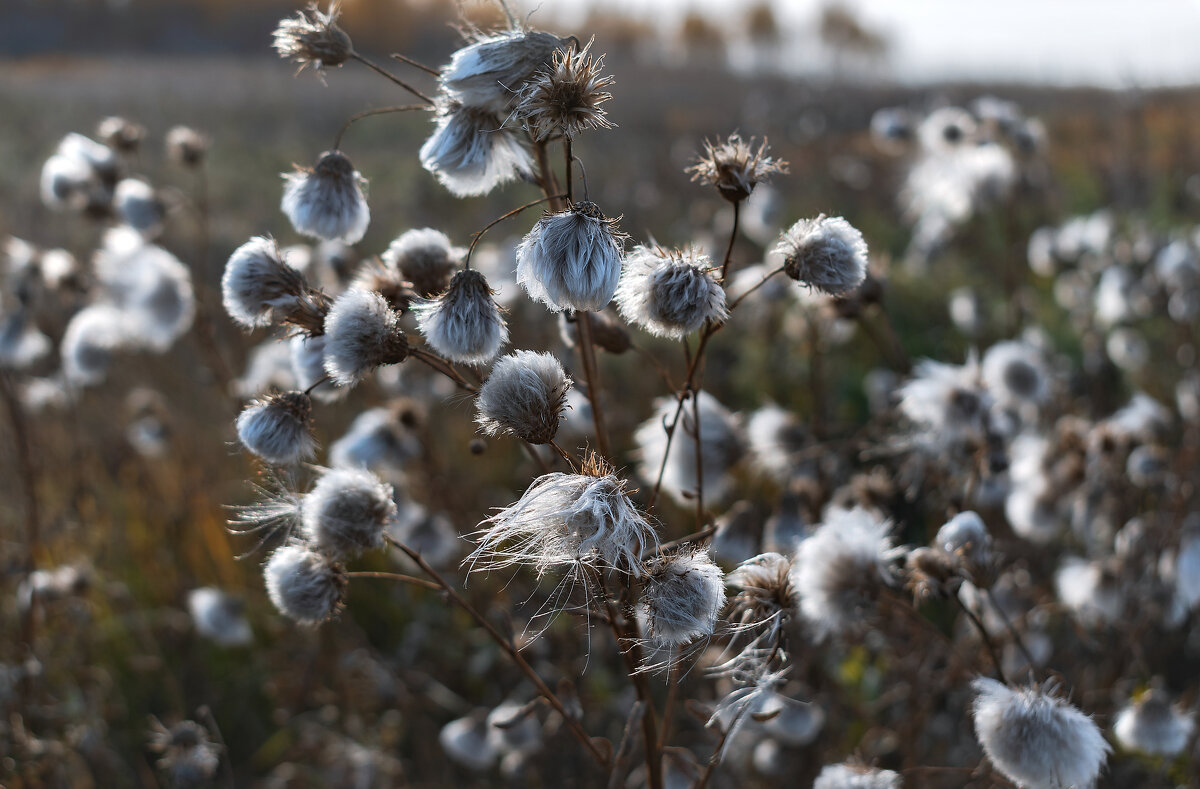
{"points": [[313, 38], [278, 428], [856, 776], [1036, 739], [826, 253], [571, 260], [188, 757], [765, 593], [471, 152], [259, 289], [489, 72], [1152, 725], [362, 332], [567, 520], [346, 512], [524, 396], [219, 617], [465, 324], [304, 585], [91, 339], [327, 200], [670, 294], [139, 206], [187, 147], [424, 257], [565, 96], [121, 134], [839, 571], [682, 596], [734, 167]]}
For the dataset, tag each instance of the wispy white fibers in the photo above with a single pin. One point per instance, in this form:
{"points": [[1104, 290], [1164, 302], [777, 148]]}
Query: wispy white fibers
{"points": [[947, 401], [304, 585], [856, 776], [362, 332], [669, 294], [524, 397], [424, 257], [489, 72], [92, 338], [347, 511], [1151, 725], [839, 570], [258, 288], [278, 428], [682, 596], [1014, 373], [464, 324], [471, 152], [827, 254], [720, 445], [139, 207], [1036, 739], [564, 520], [571, 260], [327, 201], [151, 286]]}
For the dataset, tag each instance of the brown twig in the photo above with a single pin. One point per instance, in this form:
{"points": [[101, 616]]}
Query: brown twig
{"points": [[358, 116], [408, 579], [392, 77]]}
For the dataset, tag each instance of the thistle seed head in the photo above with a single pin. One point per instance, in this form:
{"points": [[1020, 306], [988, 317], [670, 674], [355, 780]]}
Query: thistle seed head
{"points": [[361, 333], [682, 596], [304, 585], [571, 260], [189, 758], [121, 134], [734, 167], [313, 38], [278, 428], [524, 397], [425, 258], [565, 96], [670, 294], [187, 147], [856, 776], [1152, 725], [258, 288], [489, 73], [347, 512], [327, 200], [827, 254], [471, 152], [464, 325]]}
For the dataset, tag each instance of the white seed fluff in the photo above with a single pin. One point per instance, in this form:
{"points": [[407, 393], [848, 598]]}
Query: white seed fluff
{"points": [[1151, 725], [471, 152], [277, 428], [257, 285], [669, 294], [524, 397], [464, 325], [853, 776], [682, 597], [826, 253], [571, 260], [327, 201], [303, 584], [347, 511], [361, 333]]}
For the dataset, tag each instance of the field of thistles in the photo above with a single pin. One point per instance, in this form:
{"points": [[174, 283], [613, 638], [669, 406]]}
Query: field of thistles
{"points": [[529, 408]]}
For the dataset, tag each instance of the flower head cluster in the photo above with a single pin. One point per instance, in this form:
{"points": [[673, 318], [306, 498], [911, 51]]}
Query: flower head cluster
{"points": [[571, 260], [670, 294], [1035, 738], [313, 38], [565, 96], [827, 254], [735, 167]]}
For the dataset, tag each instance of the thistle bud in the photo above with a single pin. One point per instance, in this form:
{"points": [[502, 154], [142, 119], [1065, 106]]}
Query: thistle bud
{"points": [[734, 167], [826, 253], [327, 201], [488, 73], [471, 152], [362, 333], [313, 39], [682, 597], [670, 294], [278, 428], [465, 324], [1035, 739], [347, 512], [186, 147], [304, 585], [571, 260], [524, 397]]}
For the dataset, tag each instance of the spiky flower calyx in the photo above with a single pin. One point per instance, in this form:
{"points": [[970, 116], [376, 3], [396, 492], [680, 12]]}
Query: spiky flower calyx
{"points": [[524, 396], [565, 96], [735, 167], [313, 38], [827, 254], [464, 325], [670, 293], [571, 260]]}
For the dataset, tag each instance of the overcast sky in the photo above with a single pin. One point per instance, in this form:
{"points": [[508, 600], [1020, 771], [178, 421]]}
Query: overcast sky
{"points": [[1118, 43]]}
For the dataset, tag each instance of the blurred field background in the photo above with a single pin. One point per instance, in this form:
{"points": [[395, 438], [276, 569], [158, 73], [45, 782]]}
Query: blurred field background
{"points": [[370, 691]]}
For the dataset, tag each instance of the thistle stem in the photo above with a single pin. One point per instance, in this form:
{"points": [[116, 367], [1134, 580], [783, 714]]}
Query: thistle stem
{"points": [[737, 215], [392, 77], [567, 160], [479, 233], [408, 579], [987, 639], [415, 64], [761, 282], [358, 116], [587, 354]]}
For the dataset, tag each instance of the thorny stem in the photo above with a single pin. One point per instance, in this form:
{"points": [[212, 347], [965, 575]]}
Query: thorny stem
{"points": [[358, 116], [587, 354], [392, 77], [737, 214], [408, 579], [479, 233], [572, 724], [416, 64], [987, 639]]}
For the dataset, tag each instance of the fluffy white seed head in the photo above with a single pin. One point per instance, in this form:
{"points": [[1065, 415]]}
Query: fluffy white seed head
{"points": [[1035, 739], [313, 38], [682, 597], [720, 445], [21, 342], [188, 758], [377, 439], [1091, 591], [68, 183], [524, 397], [966, 536], [571, 260], [465, 741], [764, 590], [775, 438], [152, 287], [424, 257], [218, 617], [947, 401], [307, 355], [1014, 374], [186, 146], [92, 338], [361, 333], [347, 512], [827, 254], [327, 200], [258, 288], [856, 776], [564, 520], [489, 72], [670, 294], [1151, 725], [278, 428], [839, 570], [471, 152], [464, 325], [303, 584]]}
